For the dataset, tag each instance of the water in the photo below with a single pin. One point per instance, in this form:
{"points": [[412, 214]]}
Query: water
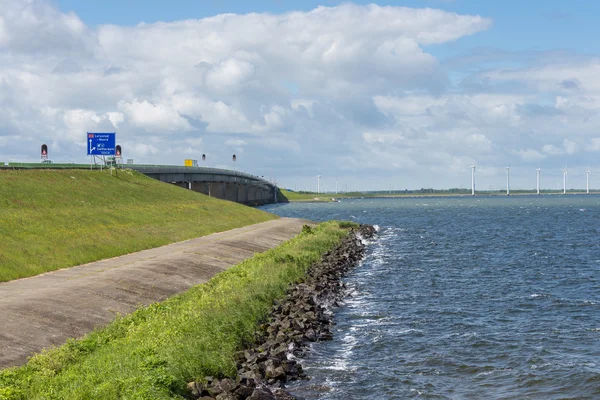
{"points": [[465, 298]]}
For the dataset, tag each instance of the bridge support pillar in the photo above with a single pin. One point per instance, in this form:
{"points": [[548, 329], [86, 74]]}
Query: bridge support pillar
{"points": [[251, 195], [231, 191], [201, 187], [243, 194]]}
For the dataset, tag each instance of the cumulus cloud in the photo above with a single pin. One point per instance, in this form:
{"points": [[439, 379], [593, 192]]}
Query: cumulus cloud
{"points": [[154, 117], [530, 155], [29, 26], [350, 89], [235, 142]]}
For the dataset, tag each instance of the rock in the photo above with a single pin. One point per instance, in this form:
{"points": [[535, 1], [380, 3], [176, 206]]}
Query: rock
{"points": [[281, 394], [214, 389], [195, 388], [228, 385], [244, 392], [226, 396], [262, 394], [276, 373], [281, 337], [304, 315]]}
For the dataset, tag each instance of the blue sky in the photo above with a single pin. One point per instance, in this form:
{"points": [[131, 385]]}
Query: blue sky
{"points": [[518, 24], [403, 96]]}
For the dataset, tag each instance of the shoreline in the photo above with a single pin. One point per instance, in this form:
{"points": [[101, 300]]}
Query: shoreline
{"points": [[155, 351], [72, 302], [303, 316], [433, 195]]}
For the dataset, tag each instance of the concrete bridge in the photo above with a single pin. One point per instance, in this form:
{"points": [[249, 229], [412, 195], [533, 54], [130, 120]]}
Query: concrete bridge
{"points": [[220, 183]]}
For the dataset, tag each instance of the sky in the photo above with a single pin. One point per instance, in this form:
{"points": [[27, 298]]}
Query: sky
{"points": [[371, 96]]}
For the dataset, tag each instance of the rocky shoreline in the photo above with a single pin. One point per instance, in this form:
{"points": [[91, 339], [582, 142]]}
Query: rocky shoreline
{"points": [[301, 317]]}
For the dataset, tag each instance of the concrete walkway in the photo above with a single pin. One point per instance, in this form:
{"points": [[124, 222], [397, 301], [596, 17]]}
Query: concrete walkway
{"points": [[48, 309]]}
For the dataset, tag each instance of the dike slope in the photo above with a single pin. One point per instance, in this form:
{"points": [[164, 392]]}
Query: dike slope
{"points": [[51, 219], [48, 309]]}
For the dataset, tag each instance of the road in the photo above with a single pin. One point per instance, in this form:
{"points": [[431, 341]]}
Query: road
{"points": [[46, 310]]}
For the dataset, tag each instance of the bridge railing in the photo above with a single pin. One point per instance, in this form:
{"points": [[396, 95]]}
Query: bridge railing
{"points": [[175, 169], [143, 168]]}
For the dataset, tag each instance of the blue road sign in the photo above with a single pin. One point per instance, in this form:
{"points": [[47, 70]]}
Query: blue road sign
{"points": [[101, 144]]}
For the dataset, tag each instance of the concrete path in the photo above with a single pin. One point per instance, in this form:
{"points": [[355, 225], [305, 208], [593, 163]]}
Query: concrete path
{"points": [[48, 309]]}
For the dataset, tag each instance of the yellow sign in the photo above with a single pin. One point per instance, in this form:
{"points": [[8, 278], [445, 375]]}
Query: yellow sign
{"points": [[191, 163]]}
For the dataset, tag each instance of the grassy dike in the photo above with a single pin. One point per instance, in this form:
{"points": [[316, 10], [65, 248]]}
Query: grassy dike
{"points": [[52, 219], [154, 352], [308, 197]]}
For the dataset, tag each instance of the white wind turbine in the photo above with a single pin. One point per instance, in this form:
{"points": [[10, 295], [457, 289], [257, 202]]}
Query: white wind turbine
{"points": [[538, 180], [508, 180], [565, 180], [587, 180], [472, 180], [318, 183]]}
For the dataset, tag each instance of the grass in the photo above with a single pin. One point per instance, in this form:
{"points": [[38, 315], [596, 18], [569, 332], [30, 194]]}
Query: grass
{"points": [[94, 215], [305, 196], [154, 352]]}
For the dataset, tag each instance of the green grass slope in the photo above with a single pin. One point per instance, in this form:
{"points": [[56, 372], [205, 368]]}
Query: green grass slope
{"points": [[51, 219], [154, 352], [304, 196]]}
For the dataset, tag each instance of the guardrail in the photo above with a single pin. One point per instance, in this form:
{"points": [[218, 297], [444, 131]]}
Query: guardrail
{"points": [[175, 169], [143, 168]]}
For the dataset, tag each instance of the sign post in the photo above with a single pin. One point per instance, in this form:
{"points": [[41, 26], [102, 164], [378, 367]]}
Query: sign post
{"points": [[101, 145]]}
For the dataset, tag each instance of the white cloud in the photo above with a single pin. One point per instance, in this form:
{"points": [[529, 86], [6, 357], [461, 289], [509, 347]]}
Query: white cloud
{"points": [[154, 117], [79, 120], [350, 89], [36, 26], [595, 144], [570, 146], [552, 150], [144, 149], [4, 38], [115, 118], [235, 142], [229, 74], [530, 155]]}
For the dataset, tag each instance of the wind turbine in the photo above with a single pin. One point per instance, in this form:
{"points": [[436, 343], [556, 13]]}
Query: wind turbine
{"points": [[472, 180], [587, 181], [508, 180], [565, 180], [318, 183], [336, 186], [538, 180]]}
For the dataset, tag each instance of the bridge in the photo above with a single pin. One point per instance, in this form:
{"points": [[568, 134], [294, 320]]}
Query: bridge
{"points": [[223, 184], [220, 183]]}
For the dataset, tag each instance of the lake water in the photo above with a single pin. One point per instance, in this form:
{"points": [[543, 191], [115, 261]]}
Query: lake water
{"points": [[465, 298]]}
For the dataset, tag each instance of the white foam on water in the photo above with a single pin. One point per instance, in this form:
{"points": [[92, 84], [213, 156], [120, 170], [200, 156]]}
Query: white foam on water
{"points": [[407, 331], [486, 373]]}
